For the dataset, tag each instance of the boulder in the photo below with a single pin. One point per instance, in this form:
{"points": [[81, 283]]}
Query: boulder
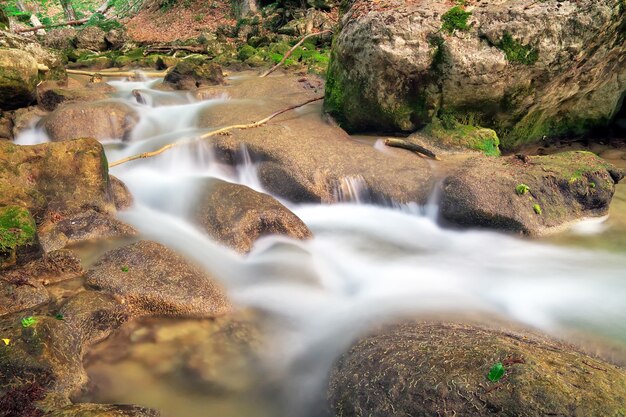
{"points": [[90, 225], [55, 180], [62, 38], [25, 118], [50, 95], [192, 73], [92, 38], [44, 56], [121, 194], [237, 216], [21, 295], [53, 267], [100, 120], [430, 369], [523, 68], [533, 195], [18, 79], [152, 279], [115, 38]]}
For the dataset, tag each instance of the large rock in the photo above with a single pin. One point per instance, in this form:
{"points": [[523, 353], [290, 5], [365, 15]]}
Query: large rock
{"points": [[237, 216], [153, 279], [21, 295], [18, 79], [192, 73], [431, 369], [92, 38], [55, 179], [99, 120], [44, 56], [50, 95], [63, 38], [526, 69], [530, 195], [53, 267]]}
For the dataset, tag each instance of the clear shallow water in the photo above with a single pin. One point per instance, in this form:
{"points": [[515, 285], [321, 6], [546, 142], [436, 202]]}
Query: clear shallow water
{"points": [[365, 264]]}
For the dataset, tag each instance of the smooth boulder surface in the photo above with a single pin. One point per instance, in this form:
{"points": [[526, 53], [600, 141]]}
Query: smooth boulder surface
{"points": [[431, 369], [533, 195], [526, 69], [101, 120], [91, 38], [153, 279], [55, 178], [237, 216], [18, 79]]}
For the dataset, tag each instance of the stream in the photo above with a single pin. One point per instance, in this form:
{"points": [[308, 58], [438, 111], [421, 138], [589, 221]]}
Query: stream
{"points": [[310, 299]]}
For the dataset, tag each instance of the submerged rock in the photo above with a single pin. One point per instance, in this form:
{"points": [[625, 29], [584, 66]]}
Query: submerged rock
{"points": [[523, 68], [100, 120], [153, 279], [237, 216], [428, 369], [18, 79], [530, 195], [192, 73]]}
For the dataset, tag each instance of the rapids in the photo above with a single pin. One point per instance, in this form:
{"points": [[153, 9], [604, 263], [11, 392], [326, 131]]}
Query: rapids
{"points": [[366, 264]]}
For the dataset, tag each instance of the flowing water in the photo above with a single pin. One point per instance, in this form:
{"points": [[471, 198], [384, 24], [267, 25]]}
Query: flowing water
{"points": [[365, 264]]}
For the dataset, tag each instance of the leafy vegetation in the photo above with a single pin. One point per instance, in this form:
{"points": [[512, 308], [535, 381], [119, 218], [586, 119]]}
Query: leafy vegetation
{"points": [[522, 189], [516, 52], [28, 321], [497, 372], [17, 228], [455, 19]]}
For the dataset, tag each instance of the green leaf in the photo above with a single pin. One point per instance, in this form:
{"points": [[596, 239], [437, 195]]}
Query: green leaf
{"points": [[497, 372], [124, 268], [522, 189], [28, 321]]}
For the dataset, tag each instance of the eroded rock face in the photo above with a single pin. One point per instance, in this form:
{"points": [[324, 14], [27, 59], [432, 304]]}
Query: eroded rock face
{"points": [[194, 73], [18, 79], [99, 120], [237, 216], [428, 369], [153, 279], [523, 68], [92, 38], [530, 195]]}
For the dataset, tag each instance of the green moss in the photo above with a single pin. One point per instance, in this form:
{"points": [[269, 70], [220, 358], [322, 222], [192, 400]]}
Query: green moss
{"points": [[17, 228], [516, 52], [537, 209], [455, 19], [450, 133], [246, 52], [522, 189]]}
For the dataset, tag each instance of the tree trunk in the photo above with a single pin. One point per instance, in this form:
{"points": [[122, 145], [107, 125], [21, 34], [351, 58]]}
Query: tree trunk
{"points": [[68, 9]]}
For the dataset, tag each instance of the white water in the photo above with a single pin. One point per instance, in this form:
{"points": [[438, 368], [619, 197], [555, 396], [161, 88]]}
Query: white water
{"points": [[365, 263]]}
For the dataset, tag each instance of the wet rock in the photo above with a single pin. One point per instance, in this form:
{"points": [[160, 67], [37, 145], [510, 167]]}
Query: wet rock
{"points": [[50, 96], [52, 267], [192, 73], [507, 65], [121, 194], [18, 295], [103, 410], [18, 79], [6, 126], [63, 38], [89, 225], [237, 216], [92, 38], [152, 279], [457, 138], [99, 120], [530, 195], [26, 118], [55, 179], [428, 369]]}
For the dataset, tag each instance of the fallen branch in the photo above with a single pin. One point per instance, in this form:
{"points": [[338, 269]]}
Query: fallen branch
{"points": [[289, 52], [134, 74], [69, 23], [404, 144], [221, 131], [171, 48]]}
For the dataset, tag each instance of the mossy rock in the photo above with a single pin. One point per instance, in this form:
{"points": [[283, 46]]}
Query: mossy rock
{"points": [[459, 136], [17, 228], [192, 73], [18, 79], [430, 369]]}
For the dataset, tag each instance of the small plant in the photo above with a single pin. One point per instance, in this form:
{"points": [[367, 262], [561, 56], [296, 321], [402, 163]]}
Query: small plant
{"points": [[28, 321], [124, 268], [537, 209], [592, 185], [59, 316], [455, 19], [497, 372], [6, 342], [516, 52], [522, 189]]}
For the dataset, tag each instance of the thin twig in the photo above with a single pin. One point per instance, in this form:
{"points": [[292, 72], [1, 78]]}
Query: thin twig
{"points": [[288, 54], [212, 133]]}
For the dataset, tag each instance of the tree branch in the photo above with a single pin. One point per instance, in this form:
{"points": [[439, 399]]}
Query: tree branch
{"points": [[404, 144], [213, 133]]}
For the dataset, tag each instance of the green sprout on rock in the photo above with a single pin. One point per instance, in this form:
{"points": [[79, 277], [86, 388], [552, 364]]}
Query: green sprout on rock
{"points": [[124, 268], [522, 189], [537, 209], [28, 321], [497, 372]]}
